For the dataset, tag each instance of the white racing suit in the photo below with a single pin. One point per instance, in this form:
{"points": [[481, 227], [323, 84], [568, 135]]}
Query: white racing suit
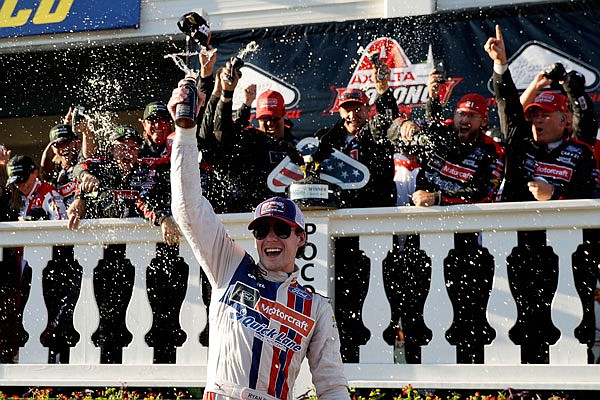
{"points": [[262, 323]]}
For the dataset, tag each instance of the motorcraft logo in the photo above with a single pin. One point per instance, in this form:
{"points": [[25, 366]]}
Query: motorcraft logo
{"points": [[535, 56], [553, 171], [457, 172], [408, 80], [285, 316]]}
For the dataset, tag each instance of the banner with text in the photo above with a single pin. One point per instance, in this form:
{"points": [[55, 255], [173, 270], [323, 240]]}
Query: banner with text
{"points": [[39, 17]]}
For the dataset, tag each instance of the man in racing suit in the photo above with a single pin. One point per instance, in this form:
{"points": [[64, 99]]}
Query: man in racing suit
{"points": [[544, 163], [264, 323]]}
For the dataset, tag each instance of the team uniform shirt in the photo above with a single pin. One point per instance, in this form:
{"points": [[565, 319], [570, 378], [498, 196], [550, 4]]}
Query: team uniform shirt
{"points": [[263, 324], [144, 192], [463, 173], [152, 155], [43, 202], [569, 164], [370, 147], [66, 184]]}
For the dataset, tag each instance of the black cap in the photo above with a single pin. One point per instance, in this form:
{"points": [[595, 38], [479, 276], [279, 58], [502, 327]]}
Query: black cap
{"points": [[19, 168], [62, 133], [124, 132], [156, 109]]}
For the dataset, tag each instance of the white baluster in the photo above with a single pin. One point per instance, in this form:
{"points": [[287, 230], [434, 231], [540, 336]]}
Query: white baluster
{"points": [[139, 312], [438, 313], [35, 316], [567, 310], [376, 308], [502, 309], [194, 314], [86, 316]]}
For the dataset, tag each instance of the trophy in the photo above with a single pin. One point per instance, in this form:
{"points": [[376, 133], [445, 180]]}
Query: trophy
{"points": [[312, 192], [313, 176]]}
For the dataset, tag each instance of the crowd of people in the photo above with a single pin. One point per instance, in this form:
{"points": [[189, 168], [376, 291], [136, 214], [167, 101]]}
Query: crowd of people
{"points": [[545, 152]]}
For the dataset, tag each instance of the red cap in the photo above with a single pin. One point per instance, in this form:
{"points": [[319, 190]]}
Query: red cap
{"points": [[270, 104], [549, 102], [473, 103], [353, 96]]}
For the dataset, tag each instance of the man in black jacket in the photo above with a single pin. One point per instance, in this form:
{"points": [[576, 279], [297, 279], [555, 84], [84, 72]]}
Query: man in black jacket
{"points": [[251, 153], [364, 138], [544, 163]]}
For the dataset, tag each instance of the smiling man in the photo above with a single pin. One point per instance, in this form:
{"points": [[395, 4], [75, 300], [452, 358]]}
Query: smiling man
{"points": [[544, 162], [264, 323]]}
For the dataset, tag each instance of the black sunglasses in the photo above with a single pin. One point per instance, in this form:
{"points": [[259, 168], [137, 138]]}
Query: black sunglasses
{"points": [[261, 229]]}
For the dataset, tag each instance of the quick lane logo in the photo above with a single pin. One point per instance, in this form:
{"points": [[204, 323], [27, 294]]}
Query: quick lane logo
{"points": [[266, 334], [10, 16], [553, 171], [285, 316]]}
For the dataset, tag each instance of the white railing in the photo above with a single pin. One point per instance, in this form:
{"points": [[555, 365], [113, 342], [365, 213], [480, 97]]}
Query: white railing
{"points": [[563, 221]]}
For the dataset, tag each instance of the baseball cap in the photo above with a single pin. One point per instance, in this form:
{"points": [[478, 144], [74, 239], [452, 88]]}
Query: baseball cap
{"points": [[270, 104], [61, 133], [353, 96], [549, 102], [19, 168], [124, 132], [280, 208], [156, 109], [473, 103]]}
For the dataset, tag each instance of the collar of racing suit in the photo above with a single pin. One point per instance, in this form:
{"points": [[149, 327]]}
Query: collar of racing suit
{"points": [[277, 276]]}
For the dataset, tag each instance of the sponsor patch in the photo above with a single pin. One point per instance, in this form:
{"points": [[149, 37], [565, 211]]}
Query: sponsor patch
{"points": [[244, 295], [553, 171], [457, 172], [285, 316]]}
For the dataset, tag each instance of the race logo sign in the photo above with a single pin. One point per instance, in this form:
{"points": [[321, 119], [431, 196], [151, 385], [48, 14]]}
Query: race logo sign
{"points": [[535, 56], [407, 80], [338, 168], [251, 74]]}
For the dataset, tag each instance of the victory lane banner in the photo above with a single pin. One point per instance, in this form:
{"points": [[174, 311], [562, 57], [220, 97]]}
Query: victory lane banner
{"points": [[311, 64]]}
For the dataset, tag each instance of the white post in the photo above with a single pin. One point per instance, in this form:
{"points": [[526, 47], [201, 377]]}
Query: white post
{"points": [[567, 310], [438, 313], [502, 309], [35, 316], [376, 308], [139, 312], [86, 316], [194, 313]]}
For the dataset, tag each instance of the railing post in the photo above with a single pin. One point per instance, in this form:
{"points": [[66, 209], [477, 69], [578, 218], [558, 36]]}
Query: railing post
{"points": [[194, 313], [35, 316], [438, 312], [376, 308], [86, 316], [501, 310], [139, 312], [567, 310]]}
